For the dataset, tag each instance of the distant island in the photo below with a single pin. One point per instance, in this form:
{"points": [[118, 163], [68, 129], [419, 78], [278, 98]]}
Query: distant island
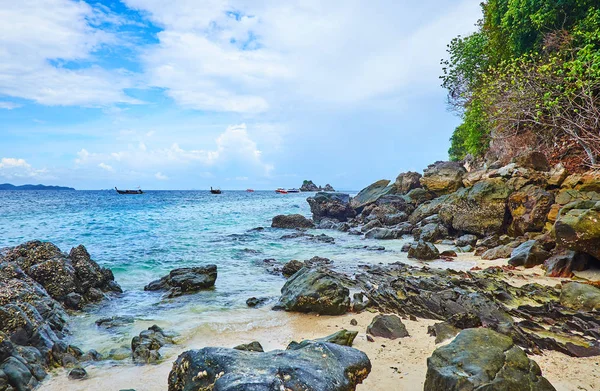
{"points": [[310, 186], [8, 186]]}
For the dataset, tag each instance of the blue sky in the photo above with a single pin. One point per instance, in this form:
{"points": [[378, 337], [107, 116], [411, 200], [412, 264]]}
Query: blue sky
{"points": [[187, 94]]}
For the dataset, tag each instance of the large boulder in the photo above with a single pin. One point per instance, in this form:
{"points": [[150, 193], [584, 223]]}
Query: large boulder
{"points": [[580, 297], [314, 290], [316, 366], [529, 254], [482, 359], [423, 251], [577, 227], [370, 194], [586, 182], [291, 221], [331, 206], [185, 280], [443, 177], [427, 209], [406, 182], [479, 210], [529, 209]]}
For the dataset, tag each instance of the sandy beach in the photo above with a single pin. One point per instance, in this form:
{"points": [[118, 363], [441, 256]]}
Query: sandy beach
{"points": [[396, 364]]}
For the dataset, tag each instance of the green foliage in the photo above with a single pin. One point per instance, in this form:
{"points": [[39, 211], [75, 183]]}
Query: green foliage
{"points": [[527, 58], [471, 137]]}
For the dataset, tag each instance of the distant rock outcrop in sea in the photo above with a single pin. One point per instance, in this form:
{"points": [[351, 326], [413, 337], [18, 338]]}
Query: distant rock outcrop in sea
{"points": [[310, 186]]}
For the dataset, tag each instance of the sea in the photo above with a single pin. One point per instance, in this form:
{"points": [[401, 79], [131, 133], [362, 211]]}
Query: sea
{"points": [[143, 237]]}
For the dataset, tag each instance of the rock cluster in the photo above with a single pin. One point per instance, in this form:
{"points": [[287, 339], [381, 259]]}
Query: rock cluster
{"points": [[37, 283], [145, 347], [527, 211]]}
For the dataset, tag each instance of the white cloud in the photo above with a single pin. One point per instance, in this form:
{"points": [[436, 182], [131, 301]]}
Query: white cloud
{"points": [[39, 40], [19, 168], [9, 105], [234, 55], [106, 167], [234, 149], [160, 176]]}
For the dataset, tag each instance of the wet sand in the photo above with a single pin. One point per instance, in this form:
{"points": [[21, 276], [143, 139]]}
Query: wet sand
{"points": [[397, 364]]}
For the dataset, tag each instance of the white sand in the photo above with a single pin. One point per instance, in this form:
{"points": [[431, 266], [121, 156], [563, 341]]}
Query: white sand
{"points": [[397, 364]]}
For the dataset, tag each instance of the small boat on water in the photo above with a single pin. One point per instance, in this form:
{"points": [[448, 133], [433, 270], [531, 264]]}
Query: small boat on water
{"points": [[138, 191], [281, 191], [250, 190], [293, 190], [215, 191]]}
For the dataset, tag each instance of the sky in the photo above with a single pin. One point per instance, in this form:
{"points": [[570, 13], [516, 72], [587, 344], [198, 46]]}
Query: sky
{"points": [[188, 94]]}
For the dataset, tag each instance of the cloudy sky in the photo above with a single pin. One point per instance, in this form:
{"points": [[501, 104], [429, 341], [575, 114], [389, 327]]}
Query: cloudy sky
{"points": [[187, 94]]}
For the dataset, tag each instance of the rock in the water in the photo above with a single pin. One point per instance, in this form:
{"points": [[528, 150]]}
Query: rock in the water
{"points": [[309, 186], [314, 290], [578, 227], [382, 234], [185, 280], [77, 374], [442, 331], [387, 326], [256, 301], [482, 359], [529, 254], [566, 262], [145, 347], [253, 346], [370, 194], [423, 250], [578, 296], [315, 366], [291, 221], [529, 209], [291, 268], [479, 210], [331, 206], [114, 321], [443, 177]]}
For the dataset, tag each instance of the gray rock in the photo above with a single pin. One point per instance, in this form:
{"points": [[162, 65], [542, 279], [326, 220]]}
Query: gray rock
{"points": [[423, 251], [529, 254], [466, 240], [314, 290], [253, 346], [291, 221], [482, 359], [145, 347], [580, 297], [442, 331], [382, 234], [185, 280], [387, 326], [315, 366], [77, 373], [334, 206], [443, 177]]}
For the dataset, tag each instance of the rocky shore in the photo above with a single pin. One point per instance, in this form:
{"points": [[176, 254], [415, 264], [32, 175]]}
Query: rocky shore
{"points": [[530, 304]]}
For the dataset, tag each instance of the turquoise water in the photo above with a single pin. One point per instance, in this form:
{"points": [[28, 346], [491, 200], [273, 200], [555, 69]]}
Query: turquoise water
{"points": [[142, 237]]}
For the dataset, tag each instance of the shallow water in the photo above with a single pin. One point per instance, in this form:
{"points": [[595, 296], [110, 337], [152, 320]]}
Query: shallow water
{"points": [[142, 237]]}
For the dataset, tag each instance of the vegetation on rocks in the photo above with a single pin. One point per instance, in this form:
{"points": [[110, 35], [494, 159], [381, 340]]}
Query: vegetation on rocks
{"points": [[528, 78]]}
